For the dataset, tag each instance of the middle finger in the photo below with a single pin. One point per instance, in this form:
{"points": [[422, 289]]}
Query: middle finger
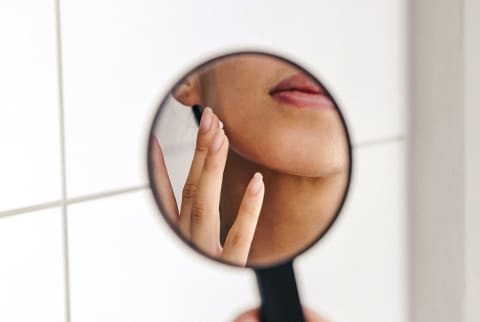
{"points": [[207, 129], [205, 225]]}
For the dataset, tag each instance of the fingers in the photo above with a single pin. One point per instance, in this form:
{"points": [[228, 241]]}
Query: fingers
{"points": [[253, 316], [311, 316], [205, 217], [208, 125], [199, 214], [162, 181], [240, 236], [249, 316]]}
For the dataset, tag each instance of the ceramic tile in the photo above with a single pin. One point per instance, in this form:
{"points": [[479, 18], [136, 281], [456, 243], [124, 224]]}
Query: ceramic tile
{"points": [[119, 64], [359, 271], [32, 267], [29, 130], [126, 265]]}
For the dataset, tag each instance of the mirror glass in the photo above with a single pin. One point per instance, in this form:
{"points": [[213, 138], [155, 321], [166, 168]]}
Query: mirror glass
{"points": [[249, 159]]}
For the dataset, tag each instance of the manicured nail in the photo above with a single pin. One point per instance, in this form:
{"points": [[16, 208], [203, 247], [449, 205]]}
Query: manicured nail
{"points": [[217, 140], [256, 183], [206, 120], [220, 124]]}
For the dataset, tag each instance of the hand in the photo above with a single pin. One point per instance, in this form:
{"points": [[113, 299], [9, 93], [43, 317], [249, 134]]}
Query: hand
{"points": [[253, 316], [199, 217]]}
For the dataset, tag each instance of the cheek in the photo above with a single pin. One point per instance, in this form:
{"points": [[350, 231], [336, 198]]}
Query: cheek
{"points": [[304, 151]]}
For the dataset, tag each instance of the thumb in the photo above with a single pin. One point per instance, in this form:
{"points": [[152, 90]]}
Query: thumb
{"points": [[162, 181]]}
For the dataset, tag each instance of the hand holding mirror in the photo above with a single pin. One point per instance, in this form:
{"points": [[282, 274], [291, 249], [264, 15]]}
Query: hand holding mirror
{"points": [[250, 162]]}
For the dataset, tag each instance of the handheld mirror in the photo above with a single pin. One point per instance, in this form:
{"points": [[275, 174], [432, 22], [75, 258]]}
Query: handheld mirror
{"points": [[249, 161]]}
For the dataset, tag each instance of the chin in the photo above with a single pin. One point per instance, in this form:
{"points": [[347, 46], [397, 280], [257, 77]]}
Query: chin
{"points": [[306, 169], [311, 168], [288, 159]]}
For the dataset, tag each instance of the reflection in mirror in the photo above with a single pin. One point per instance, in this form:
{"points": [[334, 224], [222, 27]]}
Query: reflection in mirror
{"points": [[249, 159]]}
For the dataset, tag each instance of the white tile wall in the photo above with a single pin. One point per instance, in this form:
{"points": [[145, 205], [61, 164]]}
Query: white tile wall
{"points": [[359, 272], [29, 142], [31, 267], [118, 59], [126, 265], [131, 267]]}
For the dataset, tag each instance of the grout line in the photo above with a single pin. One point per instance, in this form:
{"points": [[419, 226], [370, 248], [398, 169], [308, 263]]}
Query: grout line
{"points": [[61, 114], [111, 193], [74, 200], [36, 207], [376, 142], [187, 146]]}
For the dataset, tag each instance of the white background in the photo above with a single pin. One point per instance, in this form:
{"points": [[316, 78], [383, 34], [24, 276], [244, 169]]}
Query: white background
{"points": [[80, 238]]}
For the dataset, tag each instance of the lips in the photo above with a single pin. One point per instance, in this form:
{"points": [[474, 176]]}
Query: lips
{"points": [[299, 90]]}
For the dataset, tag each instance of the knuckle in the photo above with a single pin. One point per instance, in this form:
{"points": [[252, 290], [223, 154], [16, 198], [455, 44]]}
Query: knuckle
{"points": [[189, 191], [237, 239], [201, 148], [198, 213], [212, 165]]}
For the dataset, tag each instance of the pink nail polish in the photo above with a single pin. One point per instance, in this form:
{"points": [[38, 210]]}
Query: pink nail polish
{"points": [[206, 120], [256, 183], [217, 140]]}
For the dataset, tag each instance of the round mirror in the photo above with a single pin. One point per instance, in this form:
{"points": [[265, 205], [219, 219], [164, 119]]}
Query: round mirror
{"points": [[249, 159]]}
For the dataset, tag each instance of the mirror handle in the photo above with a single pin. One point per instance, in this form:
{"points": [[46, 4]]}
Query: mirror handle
{"points": [[279, 294]]}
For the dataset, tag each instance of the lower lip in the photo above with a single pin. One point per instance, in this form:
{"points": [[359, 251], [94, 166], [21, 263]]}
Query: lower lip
{"points": [[303, 99]]}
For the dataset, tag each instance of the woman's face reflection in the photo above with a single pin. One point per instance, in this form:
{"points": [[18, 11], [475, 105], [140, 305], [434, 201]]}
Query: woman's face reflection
{"points": [[295, 132], [281, 123]]}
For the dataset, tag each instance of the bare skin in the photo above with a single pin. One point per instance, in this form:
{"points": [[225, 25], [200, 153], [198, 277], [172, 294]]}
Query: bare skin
{"points": [[253, 316]]}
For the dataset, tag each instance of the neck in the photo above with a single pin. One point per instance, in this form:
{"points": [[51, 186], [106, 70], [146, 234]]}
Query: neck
{"points": [[295, 209]]}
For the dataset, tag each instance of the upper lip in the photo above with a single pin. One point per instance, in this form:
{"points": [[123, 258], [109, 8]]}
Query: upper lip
{"points": [[297, 82]]}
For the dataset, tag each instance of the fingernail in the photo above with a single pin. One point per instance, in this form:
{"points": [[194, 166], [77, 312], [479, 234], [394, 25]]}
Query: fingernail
{"points": [[220, 124], [206, 120], [217, 140], [256, 183]]}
